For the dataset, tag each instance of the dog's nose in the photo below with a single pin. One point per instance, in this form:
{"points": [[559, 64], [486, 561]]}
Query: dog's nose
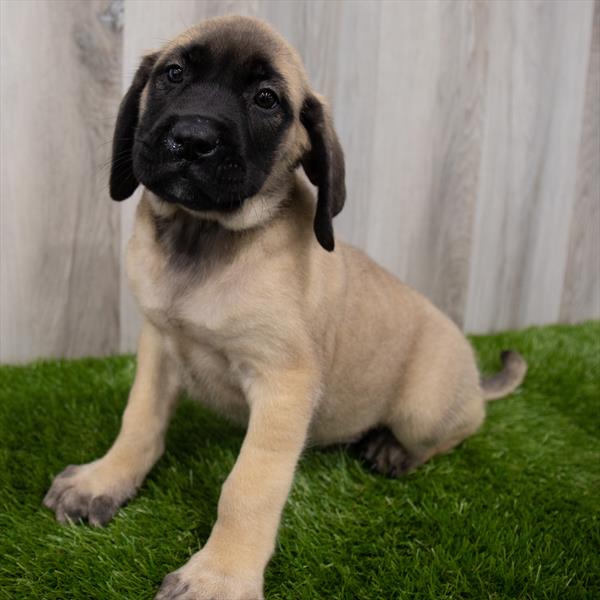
{"points": [[194, 138]]}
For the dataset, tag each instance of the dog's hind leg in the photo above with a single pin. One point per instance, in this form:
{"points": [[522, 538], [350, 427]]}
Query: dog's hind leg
{"points": [[438, 406], [95, 491]]}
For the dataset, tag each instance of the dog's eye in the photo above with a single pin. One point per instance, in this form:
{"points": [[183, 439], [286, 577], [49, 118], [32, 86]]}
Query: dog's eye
{"points": [[175, 73], [266, 98]]}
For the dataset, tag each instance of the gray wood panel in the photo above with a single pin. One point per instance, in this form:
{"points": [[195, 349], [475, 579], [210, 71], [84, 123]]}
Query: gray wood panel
{"points": [[581, 292], [428, 130], [533, 122], [59, 267]]}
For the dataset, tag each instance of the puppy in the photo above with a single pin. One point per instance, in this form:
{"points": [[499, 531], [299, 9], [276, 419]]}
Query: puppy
{"points": [[252, 306]]}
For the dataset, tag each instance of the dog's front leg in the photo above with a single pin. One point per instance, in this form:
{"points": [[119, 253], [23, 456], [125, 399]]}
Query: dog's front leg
{"points": [[231, 564], [95, 491]]}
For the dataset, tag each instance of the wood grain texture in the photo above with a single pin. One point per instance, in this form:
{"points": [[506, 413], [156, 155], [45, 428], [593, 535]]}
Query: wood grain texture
{"points": [[581, 291], [429, 99], [59, 267], [536, 87]]}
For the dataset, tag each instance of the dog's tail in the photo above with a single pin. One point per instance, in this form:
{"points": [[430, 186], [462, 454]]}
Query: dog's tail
{"points": [[507, 379]]}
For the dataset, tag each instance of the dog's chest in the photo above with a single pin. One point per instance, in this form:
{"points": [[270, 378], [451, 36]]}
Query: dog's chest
{"points": [[199, 327], [179, 307], [171, 300], [198, 312], [182, 276]]}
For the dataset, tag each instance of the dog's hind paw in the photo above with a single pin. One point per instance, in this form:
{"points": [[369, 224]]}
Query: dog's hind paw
{"points": [[383, 453]]}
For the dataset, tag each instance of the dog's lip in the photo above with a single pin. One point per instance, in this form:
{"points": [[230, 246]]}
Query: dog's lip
{"points": [[201, 201], [168, 172]]}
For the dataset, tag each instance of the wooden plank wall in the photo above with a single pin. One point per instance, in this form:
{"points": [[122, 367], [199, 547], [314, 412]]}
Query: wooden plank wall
{"points": [[59, 233], [532, 130], [471, 132], [581, 288]]}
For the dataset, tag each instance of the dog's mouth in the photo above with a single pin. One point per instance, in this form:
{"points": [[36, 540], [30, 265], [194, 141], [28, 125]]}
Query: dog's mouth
{"points": [[193, 197], [200, 187]]}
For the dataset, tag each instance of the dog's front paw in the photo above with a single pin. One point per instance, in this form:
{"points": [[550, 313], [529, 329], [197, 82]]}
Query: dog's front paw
{"points": [[202, 579], [93, 491]]}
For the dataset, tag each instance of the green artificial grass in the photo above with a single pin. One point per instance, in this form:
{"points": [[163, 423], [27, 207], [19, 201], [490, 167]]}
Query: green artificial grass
{"points": [[512, 513]]}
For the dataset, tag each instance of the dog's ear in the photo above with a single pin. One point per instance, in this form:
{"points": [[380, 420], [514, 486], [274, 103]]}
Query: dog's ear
{"points": [[122, 179], [324, 166]]}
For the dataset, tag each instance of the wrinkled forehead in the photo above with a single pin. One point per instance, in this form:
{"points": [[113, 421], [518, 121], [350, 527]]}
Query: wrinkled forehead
{"points": [[240, 48]]}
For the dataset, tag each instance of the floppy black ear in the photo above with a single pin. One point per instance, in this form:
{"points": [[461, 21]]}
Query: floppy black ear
{"points": [[122, 179], [324, 166]]}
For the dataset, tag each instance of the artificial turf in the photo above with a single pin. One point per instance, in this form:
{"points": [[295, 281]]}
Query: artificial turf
{"points": [[512, 513]]}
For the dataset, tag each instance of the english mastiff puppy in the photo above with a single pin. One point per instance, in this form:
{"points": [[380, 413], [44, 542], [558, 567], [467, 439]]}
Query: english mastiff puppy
{"points": [[252, 306]]}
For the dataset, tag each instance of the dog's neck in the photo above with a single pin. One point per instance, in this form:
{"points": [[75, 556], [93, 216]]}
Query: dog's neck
{"points": [[197, 241], [254, 212], [192, 244]]}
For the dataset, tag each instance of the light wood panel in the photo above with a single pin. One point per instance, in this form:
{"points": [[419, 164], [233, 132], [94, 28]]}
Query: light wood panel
{"points": [[533, 123], [428, 130], [59, 267], [581, 292]]}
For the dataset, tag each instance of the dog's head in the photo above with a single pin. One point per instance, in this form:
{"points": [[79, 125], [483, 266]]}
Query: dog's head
{"points": [[219, 118]]}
